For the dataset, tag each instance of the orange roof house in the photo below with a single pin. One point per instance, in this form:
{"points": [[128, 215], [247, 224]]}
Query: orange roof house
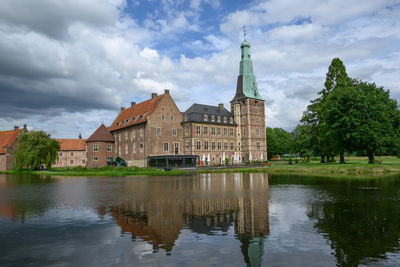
{"points": [[136, 114], [8, 144], [72, 153], [72, 144]]}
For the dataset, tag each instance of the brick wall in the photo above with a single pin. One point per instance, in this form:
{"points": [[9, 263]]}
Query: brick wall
{"points": [[71, 158], [98, 158]]}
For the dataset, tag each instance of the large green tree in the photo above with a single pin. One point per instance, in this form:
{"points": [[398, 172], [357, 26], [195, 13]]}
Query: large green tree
{"points": [[279, 141], [35, 148], [378, 120]]}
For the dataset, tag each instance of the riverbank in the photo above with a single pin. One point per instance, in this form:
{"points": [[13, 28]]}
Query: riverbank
{"points": [[104, 171], [354, 166]]}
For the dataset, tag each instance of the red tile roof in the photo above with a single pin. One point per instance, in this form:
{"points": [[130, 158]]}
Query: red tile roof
{"points": [[72, 144], [136, 114], [102, 134], [7, 138]]}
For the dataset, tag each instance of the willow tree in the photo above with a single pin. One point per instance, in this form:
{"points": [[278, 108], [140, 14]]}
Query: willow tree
{"points": [[35, 148]]}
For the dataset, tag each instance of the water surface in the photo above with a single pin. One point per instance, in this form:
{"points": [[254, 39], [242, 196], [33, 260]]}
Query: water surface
{"points": [[199, 220]]}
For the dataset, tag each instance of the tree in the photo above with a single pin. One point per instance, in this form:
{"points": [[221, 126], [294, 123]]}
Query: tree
{"points": [[279, 141], [35, 148], [378, 118], [304, 141]]}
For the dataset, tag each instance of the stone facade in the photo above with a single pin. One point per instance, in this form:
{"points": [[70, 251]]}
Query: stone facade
{"points": [[72, 153]]}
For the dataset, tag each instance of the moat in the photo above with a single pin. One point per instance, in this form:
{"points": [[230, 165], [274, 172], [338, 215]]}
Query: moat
{"points": [[199, 220]]}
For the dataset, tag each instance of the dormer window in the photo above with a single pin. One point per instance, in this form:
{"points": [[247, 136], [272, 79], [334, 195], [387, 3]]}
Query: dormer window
{"points": [[117, 124], [133, 119], [185, 118], [123, 123], [219, 118], [212, 118], [127, 122], [225, 120], [231, 120], [141, 117], [205, 117]]}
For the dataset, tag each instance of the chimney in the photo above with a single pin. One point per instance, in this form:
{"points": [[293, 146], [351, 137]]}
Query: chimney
{"points": [[122, 108], [166, 91], [16, 128], [25, 128], [221, 106], [133, 104], [153, 95]]}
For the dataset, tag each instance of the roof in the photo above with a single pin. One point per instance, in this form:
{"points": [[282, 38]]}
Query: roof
{"points": [[197, 111], [72, 144], [136, 114], [102, 134], [7, 138]]}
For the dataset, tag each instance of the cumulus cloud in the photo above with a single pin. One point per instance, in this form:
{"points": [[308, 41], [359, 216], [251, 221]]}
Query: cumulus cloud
{"points": [[67, 66]]}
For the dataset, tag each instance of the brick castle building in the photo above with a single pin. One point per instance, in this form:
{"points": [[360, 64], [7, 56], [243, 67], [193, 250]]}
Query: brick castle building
{"points": [[72, 153], [156, 128], [8, 145]]}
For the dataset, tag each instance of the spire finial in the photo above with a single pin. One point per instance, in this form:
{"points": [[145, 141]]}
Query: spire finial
{"points": [[244, 31]]}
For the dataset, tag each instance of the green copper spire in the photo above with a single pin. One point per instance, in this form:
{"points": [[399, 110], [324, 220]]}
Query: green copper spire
{"points": [[246, 84]]}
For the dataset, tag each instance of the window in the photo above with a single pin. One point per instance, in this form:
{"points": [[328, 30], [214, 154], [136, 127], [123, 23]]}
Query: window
{"points": [[198, 129], [213, 130], [243, 110], [141, 132], [219, 119], [213, 145], [133, 134], [244, 132], [173, 131], [71, 161], [231, 120], [187, 145], [134, 148], [256, 109], [108, 159], [225, 146], [231, 132], [158, 131], [109, 147], [117, 124], [71, 153], [126, 136], [83, 153], [205, 130], [126, 149], [257, 121], [218, 131], [205, 117], [225, 131], [258, 145], [212, 118], [141, 147], [176, 148], [95, 148], [185, 117], [243, 120], [172, 117], [225, 119], [60, 154], [187, 130], [206, 145], [198, 145], [133, 119], [84, 161], [141, 117], [162, 109], [232, 146], [162, 117], [123, 123], [258, 131], [219, 145], [166, 149], [95, 158]]}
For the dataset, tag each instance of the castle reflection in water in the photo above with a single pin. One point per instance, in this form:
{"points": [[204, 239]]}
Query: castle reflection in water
{"points": [[157, 212]]}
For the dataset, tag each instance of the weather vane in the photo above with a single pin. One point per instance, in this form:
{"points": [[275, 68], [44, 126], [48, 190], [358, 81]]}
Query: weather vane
{"points": [[244, 31]]}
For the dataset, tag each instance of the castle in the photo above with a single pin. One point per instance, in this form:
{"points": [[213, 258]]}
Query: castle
{"points": [[155, 132]]}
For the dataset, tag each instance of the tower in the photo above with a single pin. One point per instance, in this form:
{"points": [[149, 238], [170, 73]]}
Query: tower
{"points": [[249, 111]]}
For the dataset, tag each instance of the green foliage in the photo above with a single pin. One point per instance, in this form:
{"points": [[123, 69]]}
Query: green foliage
{"points": [[279, 141], [35, 148]]}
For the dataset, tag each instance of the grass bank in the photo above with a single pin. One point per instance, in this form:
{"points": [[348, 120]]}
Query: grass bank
{"points": [[354, 166], [103, 171]]}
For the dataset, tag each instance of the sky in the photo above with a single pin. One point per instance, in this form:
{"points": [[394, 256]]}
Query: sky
{"points": [[67, 66]]}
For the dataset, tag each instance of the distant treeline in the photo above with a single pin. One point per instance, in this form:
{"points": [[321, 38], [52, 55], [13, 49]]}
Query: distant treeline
{"points": [[349, 116]]}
